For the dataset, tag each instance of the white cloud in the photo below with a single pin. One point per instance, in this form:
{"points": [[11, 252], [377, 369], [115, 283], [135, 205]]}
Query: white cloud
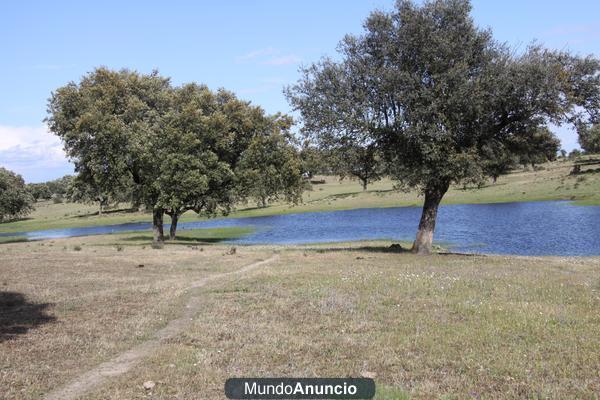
{"points": [[260, 53], [29, 150], [268, 56], [283, 60]]}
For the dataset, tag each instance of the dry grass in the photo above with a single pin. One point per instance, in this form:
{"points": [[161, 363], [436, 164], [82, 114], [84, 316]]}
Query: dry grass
{"points": [[444, 326], [64, 310]]}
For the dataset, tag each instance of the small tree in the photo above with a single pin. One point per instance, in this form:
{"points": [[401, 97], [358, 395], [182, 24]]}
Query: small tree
{"points": [[59, 187], [362, 162], [85, 188], [434, 92], [39, 191], [270, 168], [589, 138], [499, 159], [537, 148], [15, 199], [574, 154], [563, 154], [314, 160]]}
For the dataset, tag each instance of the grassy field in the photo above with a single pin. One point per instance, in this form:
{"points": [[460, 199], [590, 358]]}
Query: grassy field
{"points": [[551, 182], [445, 326]]}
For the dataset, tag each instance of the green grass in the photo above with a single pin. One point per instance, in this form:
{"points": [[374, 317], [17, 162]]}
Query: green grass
{"points": [[551, 181], [12, 239], [384, 392]]}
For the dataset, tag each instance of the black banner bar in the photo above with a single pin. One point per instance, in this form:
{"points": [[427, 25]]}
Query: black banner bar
{"points": [[299, 388]]}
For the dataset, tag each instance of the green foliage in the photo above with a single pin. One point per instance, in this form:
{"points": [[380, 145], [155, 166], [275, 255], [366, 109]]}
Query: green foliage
{"points": [[55, 188], [574, 154], [563, 153], [589, 139], [498, 159], [15, 199], [60, 186], [362, 162], [173, 148], [434, 92], [270, 167], [438, 96], [315, 161], [39, 191], [537, 148]]}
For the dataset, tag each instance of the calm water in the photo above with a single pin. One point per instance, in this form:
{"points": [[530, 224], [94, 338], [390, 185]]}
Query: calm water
{"points": [[533, 228]]}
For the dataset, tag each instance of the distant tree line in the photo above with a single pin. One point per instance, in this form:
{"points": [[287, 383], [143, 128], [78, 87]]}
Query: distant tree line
{"points": [[57, 189]]}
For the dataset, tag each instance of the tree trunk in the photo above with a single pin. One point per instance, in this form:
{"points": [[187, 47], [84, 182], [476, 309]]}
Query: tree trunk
{"points": [[364, 184], [263, 202], [173, 229], [101, 202], [424, 239], [157, 225]]}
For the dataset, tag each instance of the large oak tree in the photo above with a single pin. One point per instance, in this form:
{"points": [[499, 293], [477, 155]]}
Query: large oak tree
{"points": [[438, 96], [178, 147]]}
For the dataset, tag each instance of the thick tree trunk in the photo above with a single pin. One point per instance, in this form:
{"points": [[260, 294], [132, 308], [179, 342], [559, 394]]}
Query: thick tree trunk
{"points": [[157, 225], [173, 228], [263, 202], [424, 239], [364, 184]]}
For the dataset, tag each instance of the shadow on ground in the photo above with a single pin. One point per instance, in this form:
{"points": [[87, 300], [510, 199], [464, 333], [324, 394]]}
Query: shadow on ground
{"points": [[179, 240], [108, 212], [18, 316], [394, 248], [13, 239], [345, 195], [590, 161]]}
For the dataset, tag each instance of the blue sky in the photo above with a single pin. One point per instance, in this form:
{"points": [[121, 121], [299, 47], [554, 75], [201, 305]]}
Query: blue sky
{"points": [[251, 47]]}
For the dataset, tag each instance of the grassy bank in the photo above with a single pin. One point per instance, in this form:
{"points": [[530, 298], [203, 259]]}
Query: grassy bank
{"points": [[445, 326], [552, 181]]}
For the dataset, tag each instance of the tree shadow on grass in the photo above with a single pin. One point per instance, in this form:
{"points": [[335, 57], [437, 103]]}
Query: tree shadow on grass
{"points": [[108, 212], [590, 161], [394, 248], [12, 239], [18, 316], [345, 195], [179, 240], [589, 171]]}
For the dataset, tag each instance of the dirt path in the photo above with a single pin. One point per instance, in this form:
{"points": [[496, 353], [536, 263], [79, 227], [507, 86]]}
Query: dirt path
{"points": [[127, 360]]}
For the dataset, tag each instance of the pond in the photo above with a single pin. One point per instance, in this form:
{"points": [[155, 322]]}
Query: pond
{"points": [[528, 228]]}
